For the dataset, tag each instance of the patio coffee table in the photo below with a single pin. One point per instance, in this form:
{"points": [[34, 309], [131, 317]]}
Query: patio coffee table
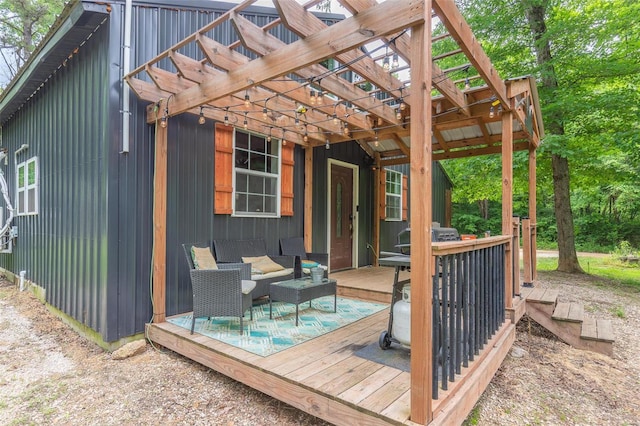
{"points": [[301, 290]]}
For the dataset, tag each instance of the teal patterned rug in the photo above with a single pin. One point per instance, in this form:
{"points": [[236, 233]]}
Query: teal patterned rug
{"points": [[264, 336]]}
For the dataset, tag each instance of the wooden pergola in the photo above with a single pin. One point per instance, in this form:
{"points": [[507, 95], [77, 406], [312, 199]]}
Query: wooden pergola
{"points": [[370, 78]]}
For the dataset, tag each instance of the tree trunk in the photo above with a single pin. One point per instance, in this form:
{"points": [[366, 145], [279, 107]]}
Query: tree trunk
{"points": [[567, 257]]}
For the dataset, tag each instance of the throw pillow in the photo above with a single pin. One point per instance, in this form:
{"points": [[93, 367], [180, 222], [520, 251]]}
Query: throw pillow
{"points": [[308, 263], [202, 258], [263, 264]]}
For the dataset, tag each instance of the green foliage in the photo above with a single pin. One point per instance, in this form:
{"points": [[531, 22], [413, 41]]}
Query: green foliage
{"points": [[591, 117], [23, 25]]}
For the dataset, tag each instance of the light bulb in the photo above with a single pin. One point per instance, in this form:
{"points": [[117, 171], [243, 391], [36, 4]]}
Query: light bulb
{"points": [[335, 119], [385, 63], [201, 119], [244, 123], [491, 113], [326, 144], [226, 119], [345, 130], [403, 105], [395, 63], [264, 113], [247, 100], [305, 137], [398, 114], [320, 97], [376, 141], [163, 122], [467, 84], [312, 97]]}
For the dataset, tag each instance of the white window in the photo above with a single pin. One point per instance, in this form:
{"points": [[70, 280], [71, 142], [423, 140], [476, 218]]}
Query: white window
{"points": [[27, 183], [393, 195], [256, 174]]}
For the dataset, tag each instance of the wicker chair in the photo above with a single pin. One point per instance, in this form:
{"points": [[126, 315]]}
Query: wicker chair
{"points": [[295, 247], [219, 292]]}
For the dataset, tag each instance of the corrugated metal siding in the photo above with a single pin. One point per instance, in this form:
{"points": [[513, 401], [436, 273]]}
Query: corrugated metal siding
{"points": [[389, 229], [64, 248]]}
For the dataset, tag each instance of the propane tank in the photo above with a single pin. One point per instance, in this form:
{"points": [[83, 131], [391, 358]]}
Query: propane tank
{"points": [[401, 329]]}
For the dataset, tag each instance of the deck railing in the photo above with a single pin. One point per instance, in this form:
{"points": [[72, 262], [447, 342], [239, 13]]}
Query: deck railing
{"points": [[468, 303]]}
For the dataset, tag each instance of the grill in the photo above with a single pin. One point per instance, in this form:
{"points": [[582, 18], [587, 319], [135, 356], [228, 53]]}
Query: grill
{"points": [[438, 234]]}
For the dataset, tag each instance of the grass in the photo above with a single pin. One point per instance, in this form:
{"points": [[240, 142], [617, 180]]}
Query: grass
{"points": [[604, 267]]}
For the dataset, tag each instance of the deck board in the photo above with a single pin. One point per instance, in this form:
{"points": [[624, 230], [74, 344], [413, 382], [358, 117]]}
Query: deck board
{"points": [[322, 376]]}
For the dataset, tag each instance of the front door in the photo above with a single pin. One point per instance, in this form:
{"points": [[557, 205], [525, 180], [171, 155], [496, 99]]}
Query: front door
{"points": [[341, 217]]}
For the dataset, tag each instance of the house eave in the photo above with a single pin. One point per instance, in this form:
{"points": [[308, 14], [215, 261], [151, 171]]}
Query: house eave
{"points": [[76, 22]]}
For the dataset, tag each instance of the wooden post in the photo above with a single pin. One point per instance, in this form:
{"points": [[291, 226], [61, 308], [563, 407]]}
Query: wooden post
{"points": [[526, 252], [421, 218], [160, 227], [308, 199], [532, 211], [376, 211], [515, 244], [507, 204]]}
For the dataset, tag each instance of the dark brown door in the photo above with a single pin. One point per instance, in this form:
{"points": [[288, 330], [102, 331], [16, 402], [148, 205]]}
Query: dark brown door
{"points": [[341, 217]]}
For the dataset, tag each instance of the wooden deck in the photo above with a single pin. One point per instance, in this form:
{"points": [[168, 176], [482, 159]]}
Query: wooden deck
{"points": [[323, 377]]}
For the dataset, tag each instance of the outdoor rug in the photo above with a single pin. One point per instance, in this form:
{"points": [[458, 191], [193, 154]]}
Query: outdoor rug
{"points": [[396, 356], [264, 336]]}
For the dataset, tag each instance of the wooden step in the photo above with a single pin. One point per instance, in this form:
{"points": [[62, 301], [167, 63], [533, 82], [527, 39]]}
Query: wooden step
{"points": [[571, 312], [597, 329], [543, 295]]}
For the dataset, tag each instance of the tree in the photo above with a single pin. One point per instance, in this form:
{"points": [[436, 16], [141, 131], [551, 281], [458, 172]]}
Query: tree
{"points": [[23, 24], [584, 56]]}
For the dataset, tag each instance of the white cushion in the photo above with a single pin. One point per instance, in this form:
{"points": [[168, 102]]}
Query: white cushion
{"points": [[272, 274], [248, 286]]}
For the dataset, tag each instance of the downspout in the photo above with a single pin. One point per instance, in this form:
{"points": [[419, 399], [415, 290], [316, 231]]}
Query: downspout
{"points": [[126, 67]]}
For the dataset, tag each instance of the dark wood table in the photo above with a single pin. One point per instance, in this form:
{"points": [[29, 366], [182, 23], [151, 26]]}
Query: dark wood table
{"points": [[301, 290]]}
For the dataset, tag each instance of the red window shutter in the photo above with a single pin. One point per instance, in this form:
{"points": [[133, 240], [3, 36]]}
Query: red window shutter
{"points": [[286, 179], [405, 197], [223, 170], [383, 194]]}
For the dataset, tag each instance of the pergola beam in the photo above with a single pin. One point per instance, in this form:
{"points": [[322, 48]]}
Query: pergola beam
{"points": [[402, 45], [462, 34], [390, 16]]}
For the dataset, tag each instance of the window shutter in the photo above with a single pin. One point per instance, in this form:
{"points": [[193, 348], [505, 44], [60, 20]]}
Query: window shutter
{"points": [[405, 197], [383, 194], [286, 179], [223, 170]]}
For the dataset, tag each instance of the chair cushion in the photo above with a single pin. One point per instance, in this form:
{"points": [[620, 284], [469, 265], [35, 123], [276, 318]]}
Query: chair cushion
{"points": [[202, 258], [282, 273], [264, 264], [248, 286]]}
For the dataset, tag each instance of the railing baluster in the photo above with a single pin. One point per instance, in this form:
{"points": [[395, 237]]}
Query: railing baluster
{"points": [[468, 308], [437, 341], [444, 320]]}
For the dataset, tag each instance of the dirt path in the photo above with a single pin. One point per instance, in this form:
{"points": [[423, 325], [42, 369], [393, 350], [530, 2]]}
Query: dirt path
{"points": [[51, 375]]}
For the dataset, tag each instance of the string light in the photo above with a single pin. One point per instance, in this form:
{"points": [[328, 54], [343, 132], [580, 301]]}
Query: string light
{"points": [[403, 105], [398, 114], [245, 124], [385, 61], [163, 120], [499, 110], [345, 129], [491, 113], [335, 119], [312, 97], [269, 137], [467, 84], [326, 144], [226, 117], [376, 142], [396, 62], [201, 119], [306, 135], [320, 97], [247, 99]]}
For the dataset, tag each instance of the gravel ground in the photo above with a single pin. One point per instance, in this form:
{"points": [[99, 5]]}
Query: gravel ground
{"points": [[51, 375]]}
